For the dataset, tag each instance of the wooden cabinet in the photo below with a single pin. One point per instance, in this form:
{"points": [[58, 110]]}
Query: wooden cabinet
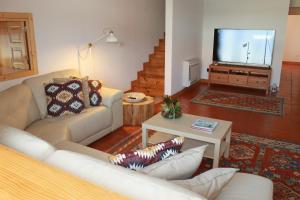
{"points": [[238, 79], [258, 82], [242, 76], [219, 78]]}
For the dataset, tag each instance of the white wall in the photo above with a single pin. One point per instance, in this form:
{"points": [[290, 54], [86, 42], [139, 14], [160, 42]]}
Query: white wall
{"points": [[63, 25], [254, 14], [292, 47], [183, 39]]}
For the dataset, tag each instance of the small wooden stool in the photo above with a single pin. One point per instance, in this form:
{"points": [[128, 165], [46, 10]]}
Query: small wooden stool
{"points": [[135, 114]]}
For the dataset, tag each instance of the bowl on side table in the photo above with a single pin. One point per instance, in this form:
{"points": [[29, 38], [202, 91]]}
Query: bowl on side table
{"points": [[134, 97]]}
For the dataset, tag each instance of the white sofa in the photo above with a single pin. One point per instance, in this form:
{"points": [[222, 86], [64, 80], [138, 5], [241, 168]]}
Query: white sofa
{"points": [[92, 165], [24, 106]]}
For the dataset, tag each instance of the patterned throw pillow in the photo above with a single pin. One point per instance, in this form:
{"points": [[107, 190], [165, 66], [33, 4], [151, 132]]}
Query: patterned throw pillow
{"points": [[94, 92], [139, 159], [64, 98]]}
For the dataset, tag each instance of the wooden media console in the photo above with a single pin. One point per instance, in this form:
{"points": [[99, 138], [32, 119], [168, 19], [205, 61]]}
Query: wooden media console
{"points": [[242, 76]]}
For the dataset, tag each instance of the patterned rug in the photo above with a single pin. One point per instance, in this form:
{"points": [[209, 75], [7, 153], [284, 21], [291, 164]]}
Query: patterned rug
{"points": [[278, 161], [267, 105]]}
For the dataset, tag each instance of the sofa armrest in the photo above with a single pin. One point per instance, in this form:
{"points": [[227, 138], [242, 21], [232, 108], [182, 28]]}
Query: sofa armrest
{"points": [[109, 96], [112, 99]]}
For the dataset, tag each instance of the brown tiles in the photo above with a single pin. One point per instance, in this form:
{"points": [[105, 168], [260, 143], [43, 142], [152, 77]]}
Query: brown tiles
{"points": [[285, 128]]}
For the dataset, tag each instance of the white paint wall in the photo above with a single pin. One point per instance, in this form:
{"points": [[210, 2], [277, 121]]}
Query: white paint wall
{"points": [[62, 25], [292, 47], [183, 39], [254, 14]]}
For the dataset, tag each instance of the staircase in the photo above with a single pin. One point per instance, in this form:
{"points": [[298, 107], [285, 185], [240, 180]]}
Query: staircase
{"points": [[151, 79]]}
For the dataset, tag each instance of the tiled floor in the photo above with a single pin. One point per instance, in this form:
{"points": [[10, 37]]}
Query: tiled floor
{"points": [[285, 128]]}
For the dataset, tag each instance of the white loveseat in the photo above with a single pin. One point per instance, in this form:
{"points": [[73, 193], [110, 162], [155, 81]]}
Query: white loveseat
{"points": [[92, 165], [24, 106]]}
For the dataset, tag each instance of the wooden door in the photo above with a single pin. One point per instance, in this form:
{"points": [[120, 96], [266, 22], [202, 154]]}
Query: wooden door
{"points": [[17, 46], [14, 52]]}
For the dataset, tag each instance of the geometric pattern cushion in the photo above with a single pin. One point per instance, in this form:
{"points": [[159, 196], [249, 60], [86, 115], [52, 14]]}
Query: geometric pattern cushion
{"points": [[94, 92], [64, 98], [138, 159]]}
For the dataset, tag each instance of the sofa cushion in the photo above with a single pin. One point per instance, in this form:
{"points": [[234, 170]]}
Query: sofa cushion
{"points": [[25, 143], [64, 98], [36, 84], [247, 187], [138, 159], [109, 96], [180, 166], [50, 130], [209, 183], [94, 92], [79, 126], [119, 179], [18, 108], [79, 148]]}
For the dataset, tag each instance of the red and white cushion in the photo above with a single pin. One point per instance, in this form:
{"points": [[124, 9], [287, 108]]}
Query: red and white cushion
{"points": [[139, 159], [94, 92], [64, 98]]}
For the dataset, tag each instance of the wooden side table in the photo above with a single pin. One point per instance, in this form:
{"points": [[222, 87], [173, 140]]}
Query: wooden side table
{"points": [[135, 114]]}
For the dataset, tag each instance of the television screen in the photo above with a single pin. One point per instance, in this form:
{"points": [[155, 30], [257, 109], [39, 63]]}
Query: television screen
{"points": [[250, 47]]}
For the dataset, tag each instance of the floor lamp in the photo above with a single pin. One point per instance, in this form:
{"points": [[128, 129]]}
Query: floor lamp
{"points": [[107, 37]]}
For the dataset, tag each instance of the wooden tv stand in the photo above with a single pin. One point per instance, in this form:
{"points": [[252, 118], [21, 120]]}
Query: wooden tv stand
{"points": [[242, 76]]}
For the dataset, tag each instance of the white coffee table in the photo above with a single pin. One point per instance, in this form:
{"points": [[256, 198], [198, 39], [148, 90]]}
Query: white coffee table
{"points": [[218, 141]]}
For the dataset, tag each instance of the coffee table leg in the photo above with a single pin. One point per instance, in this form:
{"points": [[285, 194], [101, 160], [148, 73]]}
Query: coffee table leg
{"points": [[227, 140], [144, 136], [216, 154]]}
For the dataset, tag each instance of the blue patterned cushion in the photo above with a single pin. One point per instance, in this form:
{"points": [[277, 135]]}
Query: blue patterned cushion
{"points": [[65, 98], [94, 92]]}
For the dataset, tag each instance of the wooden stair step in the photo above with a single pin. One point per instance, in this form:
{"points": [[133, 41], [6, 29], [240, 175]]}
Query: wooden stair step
{"points": [[151, 79], [146, 75], [155, 85], [157, 56], [162, 41], [154, 65], [154, 70], [153, 82], [159, 49], [149, 91], [157, 61]]}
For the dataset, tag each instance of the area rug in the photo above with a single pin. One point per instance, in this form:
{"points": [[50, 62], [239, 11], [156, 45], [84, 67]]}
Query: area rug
{"points": [[276, 160], [267, 105]]}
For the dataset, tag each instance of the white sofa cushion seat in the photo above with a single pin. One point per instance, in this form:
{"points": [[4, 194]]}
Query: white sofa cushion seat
{"points": [[50, 130], [118, 179], [79, 126], [78, 148], [247, 187], [25, 143]]}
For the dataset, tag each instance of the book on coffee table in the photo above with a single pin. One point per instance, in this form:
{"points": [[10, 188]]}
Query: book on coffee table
{"points": [[205, 125]]}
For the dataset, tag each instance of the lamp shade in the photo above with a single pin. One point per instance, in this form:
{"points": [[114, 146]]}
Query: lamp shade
{"points": [[111, 38]]}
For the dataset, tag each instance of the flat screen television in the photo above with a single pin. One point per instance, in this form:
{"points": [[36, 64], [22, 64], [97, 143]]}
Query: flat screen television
{"points": [[244, 47]]}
